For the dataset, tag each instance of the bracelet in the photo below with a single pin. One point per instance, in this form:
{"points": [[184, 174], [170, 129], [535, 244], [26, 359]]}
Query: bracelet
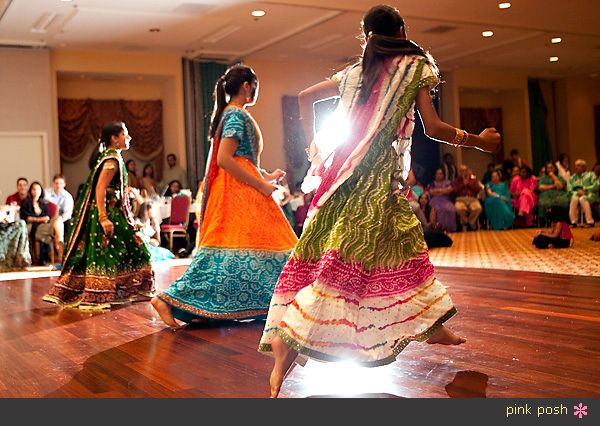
{"points": [[102, 217], [460, 138]]}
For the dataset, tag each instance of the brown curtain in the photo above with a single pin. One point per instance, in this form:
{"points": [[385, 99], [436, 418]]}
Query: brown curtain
{"points": [[80, 122], [474, 120]]}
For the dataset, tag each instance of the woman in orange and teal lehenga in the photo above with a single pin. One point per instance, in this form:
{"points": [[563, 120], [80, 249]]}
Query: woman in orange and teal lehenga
{"points": [[106, 262], [359, 285], [245, 238]]}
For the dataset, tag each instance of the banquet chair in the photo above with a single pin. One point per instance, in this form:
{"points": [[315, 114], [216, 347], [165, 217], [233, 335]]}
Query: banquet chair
{"points": [[178, 221], [36, 243]]}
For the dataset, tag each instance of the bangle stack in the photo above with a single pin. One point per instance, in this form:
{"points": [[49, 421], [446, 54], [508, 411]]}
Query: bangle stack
{"points": [[102, 217], [460, 138]]}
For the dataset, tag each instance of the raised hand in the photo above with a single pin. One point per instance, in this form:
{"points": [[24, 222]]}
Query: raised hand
{"points": [[491, 139]]}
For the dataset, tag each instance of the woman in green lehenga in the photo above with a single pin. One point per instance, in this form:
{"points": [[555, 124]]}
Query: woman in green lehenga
{"points": [[106, 262]]}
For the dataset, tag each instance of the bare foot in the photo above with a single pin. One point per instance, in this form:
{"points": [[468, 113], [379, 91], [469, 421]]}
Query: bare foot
{"points": [[446, 337], [284, 357], [164, 311]]}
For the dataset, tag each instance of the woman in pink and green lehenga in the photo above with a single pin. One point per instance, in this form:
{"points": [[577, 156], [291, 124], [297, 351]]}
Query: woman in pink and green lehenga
{"points": [[359, 284]]}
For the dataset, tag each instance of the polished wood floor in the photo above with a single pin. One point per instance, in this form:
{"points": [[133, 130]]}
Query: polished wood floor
{"points": [[529, 335]]}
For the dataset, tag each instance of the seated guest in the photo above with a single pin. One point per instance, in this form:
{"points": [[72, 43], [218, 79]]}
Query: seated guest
{"points": [[14, 244], [487, 176], [150, 232], [498, 203], [596, 204], [34, 211], [559, 236], [562, 167], [584, 191], [449, 168], [467, 188], [18, 197], [416, 189], [522, 190], [433, 233], [515, 160], [173, 189], [132, 179], [429, 213], [552, 190], [173, 172], [148, 182], [64, 201], [439, 192]]}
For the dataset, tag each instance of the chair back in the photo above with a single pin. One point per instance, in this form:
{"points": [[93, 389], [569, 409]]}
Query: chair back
{"points": [[52, 209], [180, 207]]}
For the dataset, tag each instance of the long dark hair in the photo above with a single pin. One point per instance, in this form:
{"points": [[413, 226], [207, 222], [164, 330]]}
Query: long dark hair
{"points": [[113, 128], [42, 194], [229, 84], [381, 25]]}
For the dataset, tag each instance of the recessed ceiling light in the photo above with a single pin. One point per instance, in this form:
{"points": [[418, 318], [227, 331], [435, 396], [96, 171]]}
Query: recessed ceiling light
{"points": [[487, 33], [553, 58], [154, 30], [258, 13], [66, 1], [505, 5], [556, 40]]}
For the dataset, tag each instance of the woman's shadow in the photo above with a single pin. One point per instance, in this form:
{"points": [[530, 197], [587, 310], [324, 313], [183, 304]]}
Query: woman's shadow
{"points": [[468, 384]]}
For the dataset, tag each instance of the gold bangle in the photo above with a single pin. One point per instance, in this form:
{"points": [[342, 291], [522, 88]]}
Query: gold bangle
{"points": [[102, 217], [460, 138]]}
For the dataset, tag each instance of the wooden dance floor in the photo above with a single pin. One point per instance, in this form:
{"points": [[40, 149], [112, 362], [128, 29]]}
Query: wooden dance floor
{"points": [[528, 335]]}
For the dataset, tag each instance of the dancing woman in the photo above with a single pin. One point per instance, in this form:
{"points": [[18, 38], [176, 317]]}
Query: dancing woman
{"points": [[359, 284], [106, 263], [244, 237]]}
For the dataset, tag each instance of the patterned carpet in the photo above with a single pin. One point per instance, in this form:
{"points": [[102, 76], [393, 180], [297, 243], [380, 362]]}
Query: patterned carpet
{"points": [[513, 250]]}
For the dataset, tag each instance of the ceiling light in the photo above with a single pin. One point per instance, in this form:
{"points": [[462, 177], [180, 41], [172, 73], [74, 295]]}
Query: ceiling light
{"points": [[553, 58], [556, 40], [505, 5], [66, 1], [154, 30], [487, 33], [258, 13]]}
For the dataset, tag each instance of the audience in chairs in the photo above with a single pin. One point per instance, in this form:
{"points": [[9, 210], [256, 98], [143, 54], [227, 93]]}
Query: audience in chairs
{"points": [[498, 203], [468, 207], [148, 181], [40, 226], [440, 191], [22, 189], [584, 191], [522, 190], [58, 195], [552, 190]]}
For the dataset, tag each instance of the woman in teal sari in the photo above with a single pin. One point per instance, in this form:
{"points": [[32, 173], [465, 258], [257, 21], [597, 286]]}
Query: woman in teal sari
{"points": [[498, 204], [106, 262]]}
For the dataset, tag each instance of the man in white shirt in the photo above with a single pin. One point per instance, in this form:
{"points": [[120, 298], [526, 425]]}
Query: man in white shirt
{"points": [[61, 197], [173, 172]]}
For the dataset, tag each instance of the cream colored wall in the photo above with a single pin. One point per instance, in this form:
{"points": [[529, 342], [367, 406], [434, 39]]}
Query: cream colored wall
{"points": [[26, 109], [276, 80], [575, 102], [161, 78], [461, 87]]}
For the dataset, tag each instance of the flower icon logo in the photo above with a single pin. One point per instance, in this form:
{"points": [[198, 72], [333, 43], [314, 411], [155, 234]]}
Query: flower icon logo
{"points": [[580, 410]]}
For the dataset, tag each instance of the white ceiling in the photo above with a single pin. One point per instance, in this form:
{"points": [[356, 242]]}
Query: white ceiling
{"points": [[321, 30]]}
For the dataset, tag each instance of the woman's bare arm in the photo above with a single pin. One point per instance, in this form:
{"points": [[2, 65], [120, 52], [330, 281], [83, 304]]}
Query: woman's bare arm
{"points": [[306, 100], [225, 160], [435, 128]]}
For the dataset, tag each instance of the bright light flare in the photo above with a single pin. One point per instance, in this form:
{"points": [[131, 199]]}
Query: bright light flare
{"points": [[334, 131]]}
